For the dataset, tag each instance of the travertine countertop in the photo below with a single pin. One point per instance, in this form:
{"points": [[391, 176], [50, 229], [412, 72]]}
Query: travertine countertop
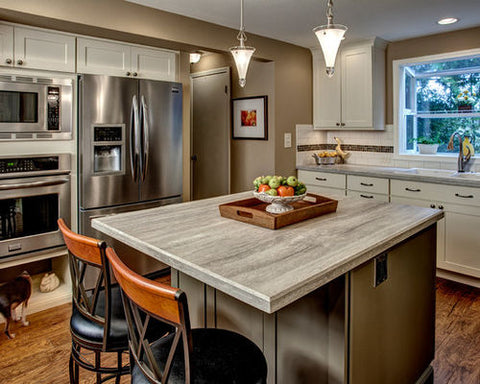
{"points": [[267, 269], [398, 173]]}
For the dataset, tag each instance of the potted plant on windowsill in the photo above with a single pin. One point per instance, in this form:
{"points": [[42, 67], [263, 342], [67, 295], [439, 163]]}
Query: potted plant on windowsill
{"points": [[427, 145]]}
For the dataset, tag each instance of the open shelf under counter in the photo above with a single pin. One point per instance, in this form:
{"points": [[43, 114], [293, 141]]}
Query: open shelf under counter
{"points": [[58, 259]]}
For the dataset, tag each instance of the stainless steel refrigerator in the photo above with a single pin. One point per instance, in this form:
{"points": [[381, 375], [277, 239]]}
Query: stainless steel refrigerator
{"points": [[130, 150]]}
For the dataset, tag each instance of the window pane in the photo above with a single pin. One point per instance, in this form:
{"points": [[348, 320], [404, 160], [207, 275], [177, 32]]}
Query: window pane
{"points": [[444, 65], [409, 124], [408, 91], [443, 128]]}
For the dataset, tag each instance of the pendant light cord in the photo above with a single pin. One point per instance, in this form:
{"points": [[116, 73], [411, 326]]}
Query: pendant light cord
{"points": [[329, 12], [242, 37]]}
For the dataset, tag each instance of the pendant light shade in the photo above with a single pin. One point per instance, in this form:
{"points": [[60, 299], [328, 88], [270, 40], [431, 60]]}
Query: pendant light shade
{"points": [[241, 53], [329, 37]]}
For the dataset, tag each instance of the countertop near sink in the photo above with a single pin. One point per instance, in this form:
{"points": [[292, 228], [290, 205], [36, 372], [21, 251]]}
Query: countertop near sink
{"points": [[437, 176]]}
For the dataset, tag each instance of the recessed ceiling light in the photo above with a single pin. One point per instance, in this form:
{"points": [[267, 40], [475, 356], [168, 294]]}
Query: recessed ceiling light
{"points": [[447, 20]]}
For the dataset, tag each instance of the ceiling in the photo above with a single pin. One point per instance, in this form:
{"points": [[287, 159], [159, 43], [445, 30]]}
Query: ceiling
{"points": [[292, 20]]}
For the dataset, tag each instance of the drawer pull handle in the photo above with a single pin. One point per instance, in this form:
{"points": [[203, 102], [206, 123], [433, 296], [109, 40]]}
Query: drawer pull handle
{"points": [[367, 196], [413, 190], [320, 179], [433, 206], [366, 184], [464, 196], [440, 207]]}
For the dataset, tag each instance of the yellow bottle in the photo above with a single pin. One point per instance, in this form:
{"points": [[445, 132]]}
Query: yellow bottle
{"points": [[467, 145]]}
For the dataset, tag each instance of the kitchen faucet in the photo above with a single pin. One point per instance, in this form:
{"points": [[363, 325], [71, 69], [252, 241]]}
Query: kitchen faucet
{"points": [[463, 160]]}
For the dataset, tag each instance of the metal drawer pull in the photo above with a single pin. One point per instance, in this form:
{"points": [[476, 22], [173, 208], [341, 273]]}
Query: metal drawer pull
{"points": [[464, 196], [413, 190], [6, 187], [367, 196], [366, 184], [320, 179]]}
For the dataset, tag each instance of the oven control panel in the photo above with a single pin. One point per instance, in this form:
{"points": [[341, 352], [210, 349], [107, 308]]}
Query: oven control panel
{"points": [[32, 164]]}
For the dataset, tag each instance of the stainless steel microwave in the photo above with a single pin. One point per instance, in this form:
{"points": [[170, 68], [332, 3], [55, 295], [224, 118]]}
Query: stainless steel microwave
{"points": [[35, 108]]}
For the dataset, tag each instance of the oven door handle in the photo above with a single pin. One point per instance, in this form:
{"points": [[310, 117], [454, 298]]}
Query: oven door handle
{"points": [[33, 184]]}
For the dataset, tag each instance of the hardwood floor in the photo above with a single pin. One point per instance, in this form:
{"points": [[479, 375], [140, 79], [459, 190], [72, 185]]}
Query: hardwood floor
{"points": [[39, 354]]}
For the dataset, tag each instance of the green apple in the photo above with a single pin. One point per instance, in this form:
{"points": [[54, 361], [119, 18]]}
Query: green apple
{"points": [[257, 182], [292, 181], [266, 179], [271, 192], [274, 183]]}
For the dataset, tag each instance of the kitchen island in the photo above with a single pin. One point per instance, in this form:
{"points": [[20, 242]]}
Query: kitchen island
{"points": [[345, 297]]}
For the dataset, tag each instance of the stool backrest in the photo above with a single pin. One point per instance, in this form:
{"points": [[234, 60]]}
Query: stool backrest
{"points": [[144, 299], [90, 275]]}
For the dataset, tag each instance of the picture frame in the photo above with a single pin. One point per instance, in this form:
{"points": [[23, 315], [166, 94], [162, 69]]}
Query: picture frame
{"points": [[250, 118]]}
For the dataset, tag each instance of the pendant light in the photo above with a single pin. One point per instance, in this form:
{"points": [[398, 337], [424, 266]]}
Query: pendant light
{"points": [[330, 36], [241, 53]]}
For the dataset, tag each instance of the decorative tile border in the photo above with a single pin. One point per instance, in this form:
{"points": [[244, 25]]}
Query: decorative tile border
{"points": [[346, 147]]}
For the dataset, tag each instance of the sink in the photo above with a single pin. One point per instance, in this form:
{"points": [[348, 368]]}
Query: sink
{"points": [[427, 172]]}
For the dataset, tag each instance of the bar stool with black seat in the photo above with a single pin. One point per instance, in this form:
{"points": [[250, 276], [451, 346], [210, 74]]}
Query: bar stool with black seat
{"points": [[186, 356], [98, 321]]}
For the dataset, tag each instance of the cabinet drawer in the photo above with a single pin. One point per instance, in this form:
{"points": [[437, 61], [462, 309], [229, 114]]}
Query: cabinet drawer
{"points": [[437, 192], [322, 179], [367, 184], [368, 196]]}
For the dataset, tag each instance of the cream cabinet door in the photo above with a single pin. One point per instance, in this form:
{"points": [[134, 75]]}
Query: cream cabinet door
{"points": [[44, 50], [103, 57], [441, 224], [357, 109], [326, 94], [6, 45], [462, 243], [156, 64]]}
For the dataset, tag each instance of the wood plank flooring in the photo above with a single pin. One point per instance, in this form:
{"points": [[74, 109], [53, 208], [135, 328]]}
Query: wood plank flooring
{"points": [[39, 354]]}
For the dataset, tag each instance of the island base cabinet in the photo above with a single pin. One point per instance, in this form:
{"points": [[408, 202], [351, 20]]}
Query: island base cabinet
{"points": [[392, 325], [347, 331]]}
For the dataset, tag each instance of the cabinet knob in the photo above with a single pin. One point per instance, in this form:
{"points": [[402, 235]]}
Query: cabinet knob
{"points": [[343, 124], [134, 73], [20, 62], [128, 73], [440, 207], [338, 124], [432, 206], [8, 61]]}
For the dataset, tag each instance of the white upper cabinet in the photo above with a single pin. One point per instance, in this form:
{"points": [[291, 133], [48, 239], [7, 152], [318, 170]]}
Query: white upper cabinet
{"points": [[354, 98], [118, 59], [6, 45], [103, 57], [36, 49], [154, 64]]}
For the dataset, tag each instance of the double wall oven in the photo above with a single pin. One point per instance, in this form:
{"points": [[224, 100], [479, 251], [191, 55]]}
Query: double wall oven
{"points": [[34, 193]]}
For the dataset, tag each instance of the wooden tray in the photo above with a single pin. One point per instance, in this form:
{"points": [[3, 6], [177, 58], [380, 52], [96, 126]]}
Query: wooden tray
{"points": [[252, 211]]}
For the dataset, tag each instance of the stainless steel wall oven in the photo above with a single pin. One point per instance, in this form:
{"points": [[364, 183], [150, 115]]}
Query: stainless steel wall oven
{"points": [[35, 108], [34, 193]]}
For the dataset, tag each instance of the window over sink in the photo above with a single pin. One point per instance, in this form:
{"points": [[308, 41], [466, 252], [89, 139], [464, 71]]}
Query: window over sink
{"points": [[435, 96]]}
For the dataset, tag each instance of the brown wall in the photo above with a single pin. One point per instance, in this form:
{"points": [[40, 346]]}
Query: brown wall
{"points": [[121, 20], [425, 46]]}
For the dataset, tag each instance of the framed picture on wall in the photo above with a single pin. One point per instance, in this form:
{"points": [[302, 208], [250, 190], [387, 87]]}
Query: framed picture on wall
{"points": [[249, 118]]}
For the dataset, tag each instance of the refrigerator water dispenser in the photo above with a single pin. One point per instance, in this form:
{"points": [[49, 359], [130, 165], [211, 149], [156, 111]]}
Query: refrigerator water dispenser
{"points": [[108, 148]]}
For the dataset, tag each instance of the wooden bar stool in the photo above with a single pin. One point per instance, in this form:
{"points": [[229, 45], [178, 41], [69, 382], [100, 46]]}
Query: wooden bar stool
{"points": [[98, 321], [186, 356]]}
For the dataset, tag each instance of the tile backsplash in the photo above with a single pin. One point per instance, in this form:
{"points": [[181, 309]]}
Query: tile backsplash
{"points": [[366, 148]]}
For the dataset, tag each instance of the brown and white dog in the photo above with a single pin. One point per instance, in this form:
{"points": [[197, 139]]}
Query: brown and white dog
{"points": [[12, 294]]}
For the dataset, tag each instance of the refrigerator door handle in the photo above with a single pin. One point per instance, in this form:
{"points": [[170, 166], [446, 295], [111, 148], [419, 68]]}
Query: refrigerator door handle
{"points": [[145, 137], [134, 152]]}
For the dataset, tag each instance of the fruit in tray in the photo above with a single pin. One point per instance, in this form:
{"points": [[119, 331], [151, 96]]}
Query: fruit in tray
{"points": [[327, 154], [279, 186]]}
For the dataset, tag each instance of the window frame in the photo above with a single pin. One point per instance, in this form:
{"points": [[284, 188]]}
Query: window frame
{"points": [[400, 151]]}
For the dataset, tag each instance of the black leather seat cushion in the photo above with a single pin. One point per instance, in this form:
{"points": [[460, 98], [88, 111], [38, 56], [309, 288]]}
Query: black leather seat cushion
{"points": [[91, 331], [219, 357]]}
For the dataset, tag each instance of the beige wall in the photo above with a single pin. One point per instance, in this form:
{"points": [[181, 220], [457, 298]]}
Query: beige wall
{"points": [[121, 20], [424, 46], [249, 158]]}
